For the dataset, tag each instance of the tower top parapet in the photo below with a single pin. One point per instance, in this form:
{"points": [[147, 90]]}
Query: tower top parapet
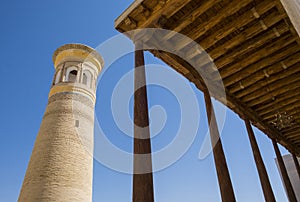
{"points": [[80, 51]]}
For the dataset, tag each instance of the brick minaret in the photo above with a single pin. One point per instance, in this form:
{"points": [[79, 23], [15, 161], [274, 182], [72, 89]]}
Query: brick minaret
{"points": [[61, 164]]}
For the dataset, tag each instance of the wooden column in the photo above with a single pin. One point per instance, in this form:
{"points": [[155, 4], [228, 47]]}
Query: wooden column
{"points": [[226, 189], [297, 164], [288, 185], [262, 172], [142, 182]]}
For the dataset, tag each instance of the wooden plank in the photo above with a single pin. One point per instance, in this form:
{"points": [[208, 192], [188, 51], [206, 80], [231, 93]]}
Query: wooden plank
{"points": [[295, 112], [297, 141], [243, 20], [236, 42], [291, 129], [271, 119], [257, 78], [294, 135], [281, 100], [269, 99], [289, 108], [200, 30], [189, 18], [262, 66], [251, 45], [260, 54], [126, 13], [247, 34], [272, 89], [167, 10], [268, 96]]}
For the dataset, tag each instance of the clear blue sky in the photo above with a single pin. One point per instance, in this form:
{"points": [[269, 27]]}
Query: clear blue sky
{"points": [[30, 32]]}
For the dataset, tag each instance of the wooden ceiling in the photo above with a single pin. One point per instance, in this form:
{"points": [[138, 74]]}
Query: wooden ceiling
{"points": [[253, 44]]}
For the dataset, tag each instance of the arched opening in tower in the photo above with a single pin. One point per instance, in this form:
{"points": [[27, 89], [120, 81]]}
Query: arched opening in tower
{"points": [[72, 76]]}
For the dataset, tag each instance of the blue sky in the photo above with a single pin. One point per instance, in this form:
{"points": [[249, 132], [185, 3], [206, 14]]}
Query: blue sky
{"points": [[30, 33]]}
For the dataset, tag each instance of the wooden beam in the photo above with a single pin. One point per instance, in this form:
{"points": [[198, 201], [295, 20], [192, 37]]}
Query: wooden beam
{"points": [[243, 21], [289, 109], [126, 13], [142, 176], [228, 10], [289, 188], [250, 46], [240, 42], [169, 8], [256, 56], [271, 89], [188, 18], [283, 101], [294, 113], [262, 69], [253, 31], [277, 105], [262, 172], [269, 96], [285, 96], [291, 129], [295, 127], [165, 8], [294, 136], [275, 71], [297, 141]]}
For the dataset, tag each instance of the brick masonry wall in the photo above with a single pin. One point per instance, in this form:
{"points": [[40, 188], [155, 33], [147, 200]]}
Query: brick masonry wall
{"points": [[61, 164]]}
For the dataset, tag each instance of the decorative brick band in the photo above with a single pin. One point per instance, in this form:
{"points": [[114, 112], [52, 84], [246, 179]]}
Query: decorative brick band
{"points": [[79, 113], [71, 96]]}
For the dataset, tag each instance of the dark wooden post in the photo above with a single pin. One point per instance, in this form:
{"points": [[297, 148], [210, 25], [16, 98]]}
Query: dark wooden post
{"points": [[142, 177], [262, 172], [297, 164], [288, 185], [227, 193]]}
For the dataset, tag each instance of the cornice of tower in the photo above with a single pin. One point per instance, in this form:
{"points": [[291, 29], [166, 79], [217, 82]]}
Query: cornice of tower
{"points": [[79, 51], [71, 89]]}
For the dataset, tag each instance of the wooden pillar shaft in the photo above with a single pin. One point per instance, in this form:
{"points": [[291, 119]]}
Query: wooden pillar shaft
{"points": [[226, 189], [262, 172], [142, 182], [286, 180], [297, 164]]}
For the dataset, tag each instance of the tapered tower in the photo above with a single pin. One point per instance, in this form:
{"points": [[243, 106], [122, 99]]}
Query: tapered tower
{"points": [[61, 164]]}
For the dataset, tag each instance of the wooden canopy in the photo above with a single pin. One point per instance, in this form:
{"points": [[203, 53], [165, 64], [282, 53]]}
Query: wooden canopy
{"points": [[254, 45]]}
